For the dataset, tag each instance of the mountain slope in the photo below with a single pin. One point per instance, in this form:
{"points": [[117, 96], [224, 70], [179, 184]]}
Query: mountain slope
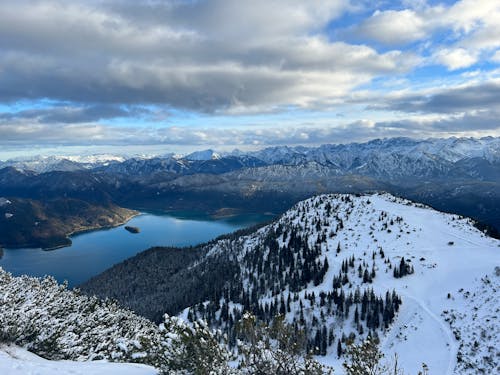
{"points": [[338, 266]]}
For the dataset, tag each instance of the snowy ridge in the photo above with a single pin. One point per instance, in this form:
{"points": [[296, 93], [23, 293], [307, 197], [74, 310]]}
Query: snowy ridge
{"points": [[362, 240], [449, 149]]}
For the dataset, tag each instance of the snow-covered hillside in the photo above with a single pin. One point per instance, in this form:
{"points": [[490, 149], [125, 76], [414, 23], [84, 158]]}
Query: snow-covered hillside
{"points": [[43, 317], [18, 361], [433, 261]]}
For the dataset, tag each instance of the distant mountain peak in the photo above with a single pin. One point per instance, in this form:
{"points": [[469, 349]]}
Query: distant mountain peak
{"points": [[203, 155]]}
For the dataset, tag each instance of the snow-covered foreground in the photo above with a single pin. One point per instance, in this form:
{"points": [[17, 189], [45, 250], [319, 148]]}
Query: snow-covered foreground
{"points": [[17, 361]]}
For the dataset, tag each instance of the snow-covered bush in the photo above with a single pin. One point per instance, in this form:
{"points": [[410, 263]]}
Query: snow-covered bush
{"points": [[364, 359], [57, 323], [277, 349], [194, 349]]}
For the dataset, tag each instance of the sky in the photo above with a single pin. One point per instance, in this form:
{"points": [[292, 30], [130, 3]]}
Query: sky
{"points": [[158, 76]]}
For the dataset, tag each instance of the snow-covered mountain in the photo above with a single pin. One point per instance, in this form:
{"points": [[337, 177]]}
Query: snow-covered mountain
{"points": [[43, 164], [203, 155], [340, 266], [345, 155], [389, 158], [392, 158]]}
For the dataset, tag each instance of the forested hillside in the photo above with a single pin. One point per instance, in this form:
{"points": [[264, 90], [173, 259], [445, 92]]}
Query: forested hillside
{"points": [[338, 267]]}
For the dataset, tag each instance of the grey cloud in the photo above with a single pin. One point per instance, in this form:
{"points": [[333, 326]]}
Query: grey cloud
{"points": [[483, 96], [487, 120], [204, 56], [71, 114]]}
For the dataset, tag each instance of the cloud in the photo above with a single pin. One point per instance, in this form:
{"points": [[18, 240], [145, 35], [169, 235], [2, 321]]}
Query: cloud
{"points": [[496, 56], [124, 60], [394, 27], [419, 21], [306, 133], [478, 97], [453, 35], [207, 56], [457, 58], [72, 114]]}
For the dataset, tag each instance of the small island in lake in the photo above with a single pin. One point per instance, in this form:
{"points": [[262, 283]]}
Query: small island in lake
{"points": [[132, 229]]}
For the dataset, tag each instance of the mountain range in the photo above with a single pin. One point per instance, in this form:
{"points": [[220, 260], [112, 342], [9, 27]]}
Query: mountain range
{"points": [[390, 158], [460, 175]]}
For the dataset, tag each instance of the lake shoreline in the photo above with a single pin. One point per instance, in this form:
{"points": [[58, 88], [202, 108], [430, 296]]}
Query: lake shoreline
{"points": [[93, 228], [76, 232], [94, 251]]}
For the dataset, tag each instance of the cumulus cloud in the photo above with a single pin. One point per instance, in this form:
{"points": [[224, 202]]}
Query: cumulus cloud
{"points": [[465, 17], [457, 58], [466, 29], [394, 27]]}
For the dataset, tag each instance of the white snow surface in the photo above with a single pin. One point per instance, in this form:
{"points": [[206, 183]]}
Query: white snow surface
{"points": [[419, 333], [18, 361]]}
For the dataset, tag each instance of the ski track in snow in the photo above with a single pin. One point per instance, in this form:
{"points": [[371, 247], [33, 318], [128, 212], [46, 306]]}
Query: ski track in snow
{"points": [[407, 316], [452, 344]]}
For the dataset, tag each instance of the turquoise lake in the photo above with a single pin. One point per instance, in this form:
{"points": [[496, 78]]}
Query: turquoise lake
{"points": [[93, 252]]}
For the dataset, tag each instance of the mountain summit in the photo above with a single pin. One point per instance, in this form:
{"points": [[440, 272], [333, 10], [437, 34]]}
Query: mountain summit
{"points": [[203, 155]]}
